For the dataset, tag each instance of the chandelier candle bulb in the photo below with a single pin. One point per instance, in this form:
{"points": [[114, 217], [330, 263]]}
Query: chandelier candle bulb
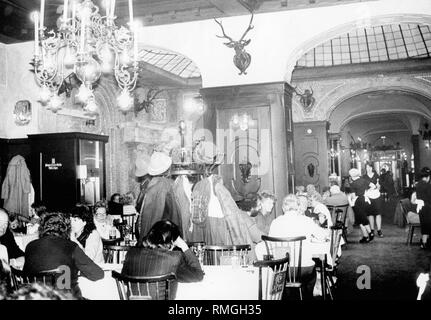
{"points": [[42, 13], [135, 43], [73, 17], [36, 33], [112, 8], [131, 13], [65, 9], [83, 22]]}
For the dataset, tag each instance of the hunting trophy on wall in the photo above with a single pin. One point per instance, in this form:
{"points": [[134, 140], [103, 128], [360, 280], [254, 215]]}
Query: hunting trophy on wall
{"points": [[306, 98], [146, 104], [241, 58]]}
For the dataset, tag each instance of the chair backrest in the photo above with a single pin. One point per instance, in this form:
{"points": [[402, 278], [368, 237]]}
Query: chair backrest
{"points": [[278, 248], [145, 288], [115, 254], [213, 254], [48, 277], [130, 220], [338, 213], [405, 203], [336, 234], [272, 287]]}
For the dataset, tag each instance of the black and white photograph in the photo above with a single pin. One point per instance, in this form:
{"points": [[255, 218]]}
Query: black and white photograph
{"points": [[215, 153]]}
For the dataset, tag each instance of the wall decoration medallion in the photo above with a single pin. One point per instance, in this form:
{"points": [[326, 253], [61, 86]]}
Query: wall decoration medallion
{"points": [[22, 112]]}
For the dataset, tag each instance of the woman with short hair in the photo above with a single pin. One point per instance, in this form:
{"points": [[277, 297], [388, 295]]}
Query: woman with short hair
{"points": [[85, 234], [54, 250], [263, 209]]}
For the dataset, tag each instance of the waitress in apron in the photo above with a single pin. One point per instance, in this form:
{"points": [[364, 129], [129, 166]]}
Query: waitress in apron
{"points": [[373, 193], [359, 203]]}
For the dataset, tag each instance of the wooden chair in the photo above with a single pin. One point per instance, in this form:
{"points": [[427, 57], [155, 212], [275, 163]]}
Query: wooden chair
{"points": [[49, 278], [278, 248], [114, 254], [339, 215], [145, 288], [405, 203], [331, 269], [276, 274], [213, 254], [131, 221]]}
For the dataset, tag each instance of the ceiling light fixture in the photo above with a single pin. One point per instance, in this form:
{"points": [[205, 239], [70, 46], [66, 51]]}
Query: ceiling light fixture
{"points": [[87, 43]]}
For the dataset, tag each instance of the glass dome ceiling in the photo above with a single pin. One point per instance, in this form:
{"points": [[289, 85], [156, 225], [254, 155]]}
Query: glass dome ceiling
{"points": [[172, 62], [373, 44]]}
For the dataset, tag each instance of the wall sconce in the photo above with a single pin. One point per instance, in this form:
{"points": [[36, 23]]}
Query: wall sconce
{"points": [[244, 121], [81, 172]]}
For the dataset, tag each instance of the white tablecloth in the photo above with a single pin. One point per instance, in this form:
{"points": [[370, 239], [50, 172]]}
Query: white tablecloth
{"points": [[219, 283]]}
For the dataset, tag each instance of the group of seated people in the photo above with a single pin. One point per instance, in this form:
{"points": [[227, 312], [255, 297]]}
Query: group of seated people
{"points": [[75, 239]]}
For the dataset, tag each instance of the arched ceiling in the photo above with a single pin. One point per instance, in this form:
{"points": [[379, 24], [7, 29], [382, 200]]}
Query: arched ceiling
{"points": [[387, 109], [370, 125]]}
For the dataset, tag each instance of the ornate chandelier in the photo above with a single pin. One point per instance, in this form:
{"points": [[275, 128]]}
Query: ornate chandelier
{"points": [[88, 44]]}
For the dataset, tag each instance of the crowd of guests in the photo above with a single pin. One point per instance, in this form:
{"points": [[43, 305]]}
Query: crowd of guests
{"points": [[75, 238]]}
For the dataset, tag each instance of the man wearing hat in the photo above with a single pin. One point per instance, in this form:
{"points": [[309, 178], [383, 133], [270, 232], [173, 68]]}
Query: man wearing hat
{"points": [[159, 201], [360, 205]]}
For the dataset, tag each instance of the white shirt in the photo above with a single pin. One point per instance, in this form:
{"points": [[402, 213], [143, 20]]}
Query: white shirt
{"points": [[3, 253], [321, 208], [104, 227], [295, 225], [93, 247], [214, 206]]}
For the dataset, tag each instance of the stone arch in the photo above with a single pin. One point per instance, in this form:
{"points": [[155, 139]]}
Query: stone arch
{"points": [[326, 107], [110, 119], [347, 27]]}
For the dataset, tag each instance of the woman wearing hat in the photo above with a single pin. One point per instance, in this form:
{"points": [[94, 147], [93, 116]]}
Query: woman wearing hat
{"points": [[159, 200], [357, 200], [423, 192]]}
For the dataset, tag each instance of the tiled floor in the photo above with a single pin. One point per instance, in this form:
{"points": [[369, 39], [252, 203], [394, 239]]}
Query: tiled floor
{"points": [[393, 265]]}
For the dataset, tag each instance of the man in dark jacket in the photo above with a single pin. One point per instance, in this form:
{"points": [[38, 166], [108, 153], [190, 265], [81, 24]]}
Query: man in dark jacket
{"points": [[7, 239]]}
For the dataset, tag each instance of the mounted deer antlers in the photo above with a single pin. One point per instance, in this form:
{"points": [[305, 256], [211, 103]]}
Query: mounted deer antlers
{"points": [[241, 58], [152, 94], [307, 100]]}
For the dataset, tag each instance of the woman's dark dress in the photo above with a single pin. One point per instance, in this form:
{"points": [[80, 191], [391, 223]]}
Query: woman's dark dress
{"points": [[376, 204], [361, 207]]}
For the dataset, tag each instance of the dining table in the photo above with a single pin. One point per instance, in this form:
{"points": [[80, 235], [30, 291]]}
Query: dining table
{"points": [[225, 282]]}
